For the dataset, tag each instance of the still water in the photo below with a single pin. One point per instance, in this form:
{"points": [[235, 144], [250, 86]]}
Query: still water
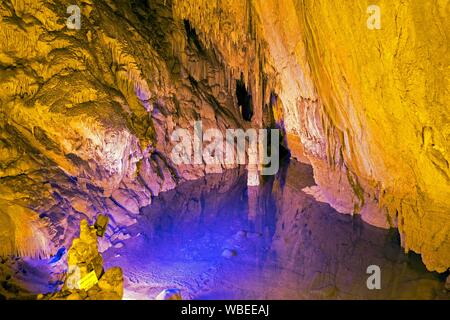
{"points": [[216, 238]]}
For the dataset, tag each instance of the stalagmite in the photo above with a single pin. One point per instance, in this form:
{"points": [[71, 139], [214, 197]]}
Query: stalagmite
{"points": [[86, 278]]}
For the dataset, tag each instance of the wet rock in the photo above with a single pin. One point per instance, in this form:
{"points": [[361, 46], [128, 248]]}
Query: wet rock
{"points": [[418, 194], [112, 281], [83, 256], [85, 278], [118, 245], [57, 257], [111, 134], [169, 294], [229, 253]]}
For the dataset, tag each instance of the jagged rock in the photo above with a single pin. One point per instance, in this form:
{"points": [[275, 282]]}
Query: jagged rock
{"points": [[103, 244], [113, 154], [377, 143], [126, 200], [83, 257], [112, 281], [80, 122], [101, 224], [119, 215], [85, 262]]}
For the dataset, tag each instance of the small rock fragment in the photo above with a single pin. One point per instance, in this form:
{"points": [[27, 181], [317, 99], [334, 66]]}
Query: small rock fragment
{"points": [[100, 224], [229, 253], [169, 294], [118, 245]]}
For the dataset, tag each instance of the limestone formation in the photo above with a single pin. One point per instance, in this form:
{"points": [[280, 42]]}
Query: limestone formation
{"points": [[87, 115], [83, 256], [367, 108], [86, 278]]}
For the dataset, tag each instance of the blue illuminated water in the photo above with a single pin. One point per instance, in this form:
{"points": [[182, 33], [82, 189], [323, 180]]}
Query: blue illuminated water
{"points": [[215, 238]]}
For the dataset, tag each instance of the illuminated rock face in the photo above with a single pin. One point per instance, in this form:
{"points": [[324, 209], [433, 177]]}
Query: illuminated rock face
{"points": [[368, 106], [85, 277], [83, 256], [87, 114]]}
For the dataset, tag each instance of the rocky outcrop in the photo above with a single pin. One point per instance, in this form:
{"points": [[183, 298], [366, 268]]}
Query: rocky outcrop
{"points": [[85, 278]]}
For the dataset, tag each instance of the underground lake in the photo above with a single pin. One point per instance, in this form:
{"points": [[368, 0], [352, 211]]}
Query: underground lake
{"points": [[217, 238]]}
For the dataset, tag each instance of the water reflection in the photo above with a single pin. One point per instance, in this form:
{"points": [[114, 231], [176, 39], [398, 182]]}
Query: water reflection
{"points": [[216, 238]]}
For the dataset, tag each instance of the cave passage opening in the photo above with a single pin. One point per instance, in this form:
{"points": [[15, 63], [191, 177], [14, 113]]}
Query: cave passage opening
{"points": [[244, 99]]}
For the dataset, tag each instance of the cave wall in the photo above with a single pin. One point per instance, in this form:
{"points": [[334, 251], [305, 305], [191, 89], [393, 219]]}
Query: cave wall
{"points": [[86, 114], [385, 92], [367, 108]]}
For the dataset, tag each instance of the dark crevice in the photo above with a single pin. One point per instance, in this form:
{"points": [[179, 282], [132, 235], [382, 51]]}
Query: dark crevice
{"points": [[244, 99], [192, 36]]}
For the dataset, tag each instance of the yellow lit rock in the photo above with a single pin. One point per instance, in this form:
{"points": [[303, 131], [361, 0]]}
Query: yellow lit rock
{"points": [[370, 106], [86, 114], [112, 281], [83, 256], [85, 278]]}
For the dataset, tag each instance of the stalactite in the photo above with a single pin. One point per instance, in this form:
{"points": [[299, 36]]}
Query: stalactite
{"points": [[367, 108]]}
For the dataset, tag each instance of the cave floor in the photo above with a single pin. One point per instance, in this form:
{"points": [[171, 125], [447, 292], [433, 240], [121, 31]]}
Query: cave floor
{"points": [[216, 238]]}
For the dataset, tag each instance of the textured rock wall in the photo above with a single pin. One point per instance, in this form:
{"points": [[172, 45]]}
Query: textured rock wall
{"points": [[385, 93], [368, 108], [87, 115]]}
